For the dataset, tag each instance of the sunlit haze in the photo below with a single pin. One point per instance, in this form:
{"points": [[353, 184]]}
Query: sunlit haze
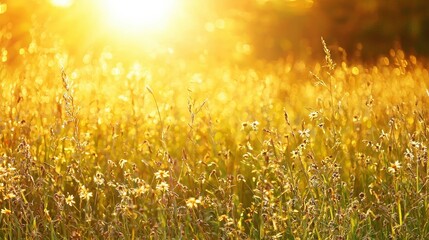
{"points": [[62, 3], [138, 15], [214, 119]]}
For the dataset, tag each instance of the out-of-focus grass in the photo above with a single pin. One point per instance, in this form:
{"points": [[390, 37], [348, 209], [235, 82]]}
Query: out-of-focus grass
{"points": [[179, 149]]}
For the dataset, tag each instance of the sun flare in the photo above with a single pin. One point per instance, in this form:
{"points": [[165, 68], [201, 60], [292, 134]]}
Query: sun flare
{"points": [[137, 15], [62, 3]]}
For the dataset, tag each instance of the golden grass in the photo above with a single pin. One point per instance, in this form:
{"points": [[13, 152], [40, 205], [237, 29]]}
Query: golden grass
{"points": [[179, 149]]}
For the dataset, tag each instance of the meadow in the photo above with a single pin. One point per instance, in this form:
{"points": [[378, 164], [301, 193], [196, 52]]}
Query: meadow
{"points": [[181, 149]]}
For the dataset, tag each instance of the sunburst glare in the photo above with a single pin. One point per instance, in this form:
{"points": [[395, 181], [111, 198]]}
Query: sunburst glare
{"points": [[62, 3], [139, 15]]}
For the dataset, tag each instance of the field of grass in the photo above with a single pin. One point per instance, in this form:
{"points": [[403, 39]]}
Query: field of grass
{"points": [[180, 149]]}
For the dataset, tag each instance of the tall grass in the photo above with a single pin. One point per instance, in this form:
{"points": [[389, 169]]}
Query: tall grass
{"points": [[180, 150]]}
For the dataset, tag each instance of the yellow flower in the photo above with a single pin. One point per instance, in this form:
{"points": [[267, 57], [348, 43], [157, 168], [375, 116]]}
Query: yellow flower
{"points": [[313, 115], [141, 190], [223, 218], [161, 174], [122, 162], [295, 153], [163, 186], [394, 167], [254, 125], [122, 190], [84, 193], [192, 202], [305, 133], [9, 196], [70, 200], [98, 179], [6, 211]]}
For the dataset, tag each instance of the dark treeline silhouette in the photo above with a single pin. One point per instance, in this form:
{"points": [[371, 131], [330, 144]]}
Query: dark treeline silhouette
{"points": [[364, 28]]}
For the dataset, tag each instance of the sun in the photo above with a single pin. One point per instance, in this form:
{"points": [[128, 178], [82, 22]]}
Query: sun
{"points": [[139, 15]]}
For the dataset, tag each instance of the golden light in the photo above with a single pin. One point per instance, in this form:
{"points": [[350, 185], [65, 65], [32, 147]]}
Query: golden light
{"points": [[138, 15], [62, 3]]}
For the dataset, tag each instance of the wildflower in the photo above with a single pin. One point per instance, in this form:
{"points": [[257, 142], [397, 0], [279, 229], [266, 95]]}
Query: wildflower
{"points": [[377, 147], [249, 146], [161, 174], [163, 187], [355, 205], [244, 125], [111, 163], [360, 156], [408, 154], [295, 153], [6, 211], [383, 135], [141, 190], [254, 125], [84, 193], [302, 146], [368, 143], [192, 202], [9, 196], [313, 115], [122, 190], [362, 196], [127, 174], [98, 179], [313, 168], [415, 144], [70, 200], [223, 218], [336, 176], [394, 167], [122, 162], [305, 133]]}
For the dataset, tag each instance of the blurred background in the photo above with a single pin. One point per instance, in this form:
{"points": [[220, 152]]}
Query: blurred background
{"points": [[239, 30]]}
